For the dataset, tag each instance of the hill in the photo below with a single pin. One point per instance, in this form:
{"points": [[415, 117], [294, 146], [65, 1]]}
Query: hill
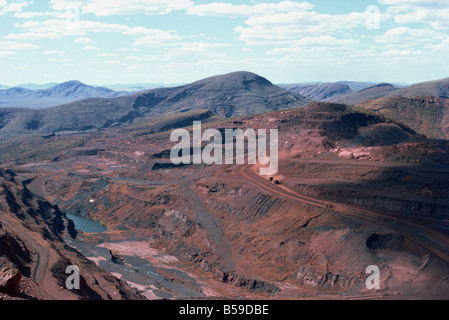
{"points": [[437, 88], [34, 254], [21, 97], [373, 92], [340, 125], [224, 229], [427, 115], [226, 96], [320, 91]]}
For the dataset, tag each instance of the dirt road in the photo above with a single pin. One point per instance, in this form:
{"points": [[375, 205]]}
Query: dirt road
{"points": [[205, 218], [434, 241]]}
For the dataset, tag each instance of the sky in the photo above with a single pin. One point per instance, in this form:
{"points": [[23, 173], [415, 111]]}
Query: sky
{"points": [[181, 41]]}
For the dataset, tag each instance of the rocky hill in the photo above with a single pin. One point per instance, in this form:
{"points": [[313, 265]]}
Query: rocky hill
{"points": [[235, 94], [34, 255], [427, 115], [373, 92], [240, 235], [437, 88], [320, 91]]}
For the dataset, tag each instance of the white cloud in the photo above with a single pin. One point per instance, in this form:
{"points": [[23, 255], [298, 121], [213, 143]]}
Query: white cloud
{"points": [[13, 46], [29, 14], [232, 10], [57, 28], [190, 48], [65, 5], [437, 19], [107, 55], [84, 40], [406, 37], [90, 48], [13, 6], [431, 12], [276, 28], [32, 35], [109, 7], [9, 48], [147, 57], [308, 43], [400, 53], [433, 4], [157, 38], [6, 53]]}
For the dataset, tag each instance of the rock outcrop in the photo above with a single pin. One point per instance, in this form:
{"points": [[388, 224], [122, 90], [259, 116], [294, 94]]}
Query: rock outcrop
{"points": [[10, 280]]}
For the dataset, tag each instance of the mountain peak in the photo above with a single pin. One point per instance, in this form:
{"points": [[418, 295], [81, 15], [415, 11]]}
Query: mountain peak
{"points": [[380, 85], [58, 94], [71, 83], [18, 90], [232, 83]]}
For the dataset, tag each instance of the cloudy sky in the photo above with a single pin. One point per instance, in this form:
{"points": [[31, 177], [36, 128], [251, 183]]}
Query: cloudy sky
{"points": [[179, 41]]}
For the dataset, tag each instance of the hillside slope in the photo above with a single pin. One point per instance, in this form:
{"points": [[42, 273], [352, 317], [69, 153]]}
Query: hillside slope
{"points": [[320, 91], [373, 92], [437, 88], [426, 115], [34, 255], [235, 94]]}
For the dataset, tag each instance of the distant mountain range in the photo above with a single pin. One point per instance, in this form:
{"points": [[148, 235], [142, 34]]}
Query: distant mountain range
{"points": [[35, 96], [136, 87], [355, 92], [33, 86], [230, 95], [56, 95], [424, 107]]}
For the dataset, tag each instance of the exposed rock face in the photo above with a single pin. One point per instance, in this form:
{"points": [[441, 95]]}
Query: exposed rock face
{"points": [[382, 242], [254, 285], [381, 202], [427, 115], [251, 237], [10, 280], [327, 280], [33, 251]]}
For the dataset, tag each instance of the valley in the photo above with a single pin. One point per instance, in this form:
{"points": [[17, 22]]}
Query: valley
{"points": [[354, 189]]}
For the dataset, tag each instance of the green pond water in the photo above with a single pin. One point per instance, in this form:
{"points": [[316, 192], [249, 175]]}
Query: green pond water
{"points": [[86, 225]]}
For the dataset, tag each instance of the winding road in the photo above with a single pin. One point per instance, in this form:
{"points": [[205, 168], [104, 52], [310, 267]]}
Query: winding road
{"points": [[411, 226], [202, 215], [434, 241], [205, 218]]}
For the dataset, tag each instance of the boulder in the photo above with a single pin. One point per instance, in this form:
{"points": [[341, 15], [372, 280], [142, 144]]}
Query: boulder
{"points": [[10, 280]]}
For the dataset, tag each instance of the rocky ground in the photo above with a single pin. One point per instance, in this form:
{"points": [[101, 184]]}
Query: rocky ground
{"points": [[34, 255], [354, 190]]}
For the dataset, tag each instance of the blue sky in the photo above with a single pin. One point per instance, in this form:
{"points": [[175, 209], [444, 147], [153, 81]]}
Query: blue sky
{"points": [[179, 41]]}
